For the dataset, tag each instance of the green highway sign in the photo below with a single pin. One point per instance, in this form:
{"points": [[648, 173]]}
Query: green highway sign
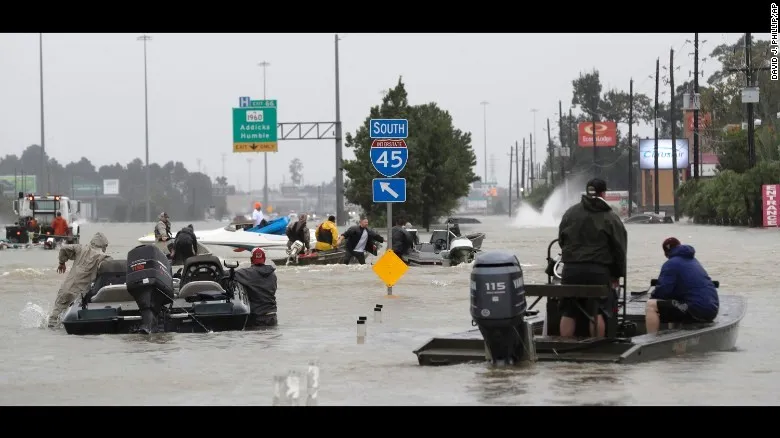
{"points": [[255, 126]]}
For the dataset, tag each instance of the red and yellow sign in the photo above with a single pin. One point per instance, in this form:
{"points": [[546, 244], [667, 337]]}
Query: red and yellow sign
{"points": [[606, 134]]}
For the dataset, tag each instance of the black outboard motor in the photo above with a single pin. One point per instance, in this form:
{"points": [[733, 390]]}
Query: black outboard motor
{"points": [[150, 282], [498, 307]]}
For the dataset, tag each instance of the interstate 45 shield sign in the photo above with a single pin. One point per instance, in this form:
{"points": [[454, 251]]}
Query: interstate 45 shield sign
{"points": [[389, 156]]}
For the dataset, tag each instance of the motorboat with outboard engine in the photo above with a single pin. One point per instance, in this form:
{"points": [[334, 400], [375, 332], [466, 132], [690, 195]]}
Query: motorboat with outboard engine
{"points": [[509, 331], [445, 248], [140, 295], [648, 218], [327, 257], [237, 238]]}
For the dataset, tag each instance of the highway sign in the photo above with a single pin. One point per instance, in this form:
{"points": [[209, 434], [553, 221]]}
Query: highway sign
{"points": [[243, 101], [389, 189], [255, 127], [390, 268], [389, 128], [389, 157]]}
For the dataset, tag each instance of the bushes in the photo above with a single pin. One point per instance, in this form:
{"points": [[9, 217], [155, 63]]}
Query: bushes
{"points": [[729, 198]]}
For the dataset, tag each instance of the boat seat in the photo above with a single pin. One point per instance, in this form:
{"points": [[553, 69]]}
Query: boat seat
{"points": [[194, 288], [114, 293]]}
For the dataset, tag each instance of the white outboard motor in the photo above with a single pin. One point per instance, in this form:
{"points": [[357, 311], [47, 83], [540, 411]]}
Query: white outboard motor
{"points": [[49, 243], [498, 307], [293, 251]]}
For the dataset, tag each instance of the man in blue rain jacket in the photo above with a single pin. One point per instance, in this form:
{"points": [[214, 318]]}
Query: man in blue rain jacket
{"points": [[684, 293]]}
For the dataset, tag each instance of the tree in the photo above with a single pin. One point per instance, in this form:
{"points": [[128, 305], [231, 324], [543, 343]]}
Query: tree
{"points": [[441, 162], [183, 195], [296, 171]]}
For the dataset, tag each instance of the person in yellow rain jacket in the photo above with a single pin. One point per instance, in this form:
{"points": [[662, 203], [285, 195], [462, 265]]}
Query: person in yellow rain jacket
{"points": [[327, 235]]}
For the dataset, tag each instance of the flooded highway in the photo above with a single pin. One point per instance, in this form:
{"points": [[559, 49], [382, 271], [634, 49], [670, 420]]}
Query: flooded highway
{"points": [[318, 307]]}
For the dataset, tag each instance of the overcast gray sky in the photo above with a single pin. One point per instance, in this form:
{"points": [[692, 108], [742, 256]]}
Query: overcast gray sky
{"points": [[94, 100]]}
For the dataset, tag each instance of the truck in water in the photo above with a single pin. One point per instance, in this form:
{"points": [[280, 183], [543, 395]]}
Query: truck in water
{"points": [[35, 214]]}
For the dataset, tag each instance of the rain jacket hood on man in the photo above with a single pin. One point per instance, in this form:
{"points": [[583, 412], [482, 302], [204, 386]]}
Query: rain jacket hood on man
{"points": [[259, 281], [591, 232], [86, 260], [684, 279]]}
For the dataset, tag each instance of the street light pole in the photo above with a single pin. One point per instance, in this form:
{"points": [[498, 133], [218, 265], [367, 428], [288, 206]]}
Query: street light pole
{"points": [[533, 150], [265, 64], [484, 124], [340, 219], [43, 137], [146, 38]]}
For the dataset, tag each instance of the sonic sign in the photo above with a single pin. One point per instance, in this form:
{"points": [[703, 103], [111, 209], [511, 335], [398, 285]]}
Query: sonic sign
{"points": [[606, 134]]}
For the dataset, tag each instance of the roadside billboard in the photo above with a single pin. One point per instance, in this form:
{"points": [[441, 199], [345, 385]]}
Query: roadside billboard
{"points": [[11, 185], [110, 186], [606, 134], [769, 197], [647, 154], [705, 119]]}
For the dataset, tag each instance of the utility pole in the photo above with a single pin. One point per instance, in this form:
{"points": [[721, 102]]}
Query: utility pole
{"points": [[696, 107], [522, 176], [751, 119], [517, 172], [561, 135], [484, 129], [534, 152], [675, 175], [146, 38], [594, 115], [572, 138], [655, 149], [511, 164], [630, 147], [249, 176], [43, 136], [551, 180], [340, 216], [531, 160], [265, 64]]}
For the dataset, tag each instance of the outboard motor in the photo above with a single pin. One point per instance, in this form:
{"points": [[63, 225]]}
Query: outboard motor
{"points": [[294, 250], [49, 243], [498, 308], [150, 282]]}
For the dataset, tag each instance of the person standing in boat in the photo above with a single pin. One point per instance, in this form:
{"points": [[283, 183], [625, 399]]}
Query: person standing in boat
{"points": [[593, 244], [685, 292], [260, 283], [185, 245], [258, 219], [327, 235], [86, 261], [162, 231], [298, 231], [359, 239]]}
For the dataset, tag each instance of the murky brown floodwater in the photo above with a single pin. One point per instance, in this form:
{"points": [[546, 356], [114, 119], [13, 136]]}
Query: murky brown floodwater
{"points": [[318, 308]]}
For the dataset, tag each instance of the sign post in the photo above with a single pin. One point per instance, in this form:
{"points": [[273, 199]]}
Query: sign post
{"points": [[389, 155]]}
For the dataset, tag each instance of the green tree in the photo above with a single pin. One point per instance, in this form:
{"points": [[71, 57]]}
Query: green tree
{"points": [[440, 167]]}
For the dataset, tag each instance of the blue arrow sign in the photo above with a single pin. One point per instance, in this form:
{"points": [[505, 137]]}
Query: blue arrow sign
{"points": [[389, 157], [243, 101], [389, 128], [389, 189]]}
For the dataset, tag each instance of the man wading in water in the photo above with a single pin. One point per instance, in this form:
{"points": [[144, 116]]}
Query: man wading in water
{"points": [[360, 239]]}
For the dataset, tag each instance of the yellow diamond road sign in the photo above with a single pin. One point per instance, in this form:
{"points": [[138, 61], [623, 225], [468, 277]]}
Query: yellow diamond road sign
{"points": [[390, 268]]}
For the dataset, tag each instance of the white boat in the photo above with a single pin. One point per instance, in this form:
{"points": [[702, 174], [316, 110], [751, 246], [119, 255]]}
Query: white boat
{"points": [[237, 238]]}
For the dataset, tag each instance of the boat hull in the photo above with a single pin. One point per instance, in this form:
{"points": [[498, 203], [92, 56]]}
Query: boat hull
{"points": [[720, 335], [330, 257]]}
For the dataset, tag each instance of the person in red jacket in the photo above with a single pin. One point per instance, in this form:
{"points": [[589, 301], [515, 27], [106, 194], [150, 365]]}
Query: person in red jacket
{"points": [[60, 225]]}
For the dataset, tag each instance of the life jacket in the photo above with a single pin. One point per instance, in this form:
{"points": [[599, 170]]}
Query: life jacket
{"points": [[323, 235]]}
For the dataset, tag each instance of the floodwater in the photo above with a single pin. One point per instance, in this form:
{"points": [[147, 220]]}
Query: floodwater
{"points": [[318, 308]]}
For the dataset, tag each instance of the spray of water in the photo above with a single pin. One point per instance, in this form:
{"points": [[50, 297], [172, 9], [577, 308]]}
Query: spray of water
{"points": [[33, 316], [563, 197]]}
